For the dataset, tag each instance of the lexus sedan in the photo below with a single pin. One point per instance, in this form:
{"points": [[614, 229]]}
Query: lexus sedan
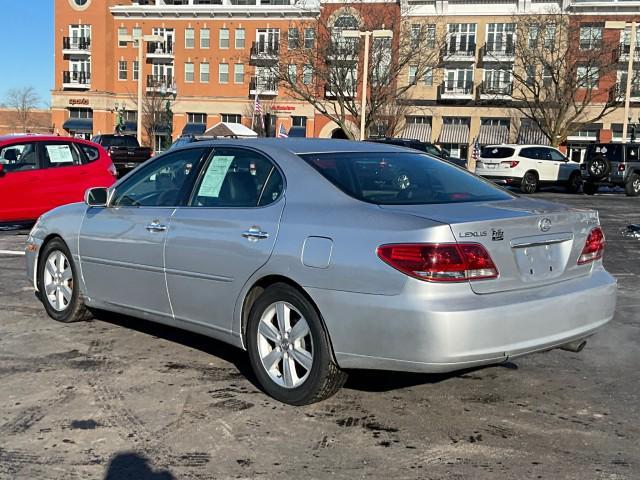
{"points": [[279, 247]]}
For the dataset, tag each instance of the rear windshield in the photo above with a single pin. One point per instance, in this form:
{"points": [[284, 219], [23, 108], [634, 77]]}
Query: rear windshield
{"points": [[402, 178], [496, 152], [119, 141]]}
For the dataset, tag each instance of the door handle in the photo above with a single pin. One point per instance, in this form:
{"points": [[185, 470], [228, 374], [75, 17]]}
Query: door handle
{"points": [[156, 227], [254, 234]]}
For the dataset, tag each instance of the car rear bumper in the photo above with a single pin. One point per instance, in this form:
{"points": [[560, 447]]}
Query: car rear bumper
{"points": [[419, 334]]}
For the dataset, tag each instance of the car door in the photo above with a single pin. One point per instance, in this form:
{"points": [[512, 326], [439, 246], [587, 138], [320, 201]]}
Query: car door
{"points": [[65, 175], [122, 245], [227, 231], [20, 182]]}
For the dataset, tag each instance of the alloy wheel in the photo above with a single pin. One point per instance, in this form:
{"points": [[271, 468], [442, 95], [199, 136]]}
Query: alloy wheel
{"points": [[285, 345], [58, 280]]}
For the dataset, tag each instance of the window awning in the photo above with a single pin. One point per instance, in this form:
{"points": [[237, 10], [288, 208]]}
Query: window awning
{"points": [[493, 134], [532, 135], [194, 129], [454, 133], [417, 131], [80, 125]]}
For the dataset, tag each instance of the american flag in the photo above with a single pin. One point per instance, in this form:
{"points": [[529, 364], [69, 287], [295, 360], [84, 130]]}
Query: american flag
{"points": [[476, 150], [282, 133]]}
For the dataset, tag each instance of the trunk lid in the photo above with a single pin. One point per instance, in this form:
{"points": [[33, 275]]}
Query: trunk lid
{"points": [[532, 243]]}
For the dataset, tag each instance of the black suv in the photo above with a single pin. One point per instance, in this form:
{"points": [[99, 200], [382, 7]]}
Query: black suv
{"points": [[612, 164]]}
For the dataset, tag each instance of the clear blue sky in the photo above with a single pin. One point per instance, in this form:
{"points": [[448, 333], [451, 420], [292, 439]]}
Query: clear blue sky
{"points": [[27, 52]]}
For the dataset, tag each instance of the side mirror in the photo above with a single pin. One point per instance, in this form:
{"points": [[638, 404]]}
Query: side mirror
{"points": [[96, 197]]}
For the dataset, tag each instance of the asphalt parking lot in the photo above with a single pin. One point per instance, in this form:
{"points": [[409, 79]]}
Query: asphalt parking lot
{"points": [[121, 398]]}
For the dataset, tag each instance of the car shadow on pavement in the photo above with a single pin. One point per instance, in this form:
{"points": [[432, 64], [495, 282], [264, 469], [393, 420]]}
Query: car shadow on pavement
{"points": [[133, 466]]}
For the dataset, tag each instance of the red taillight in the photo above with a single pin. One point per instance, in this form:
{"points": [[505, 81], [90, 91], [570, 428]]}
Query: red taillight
{"points": [[511, 164], [440, 262], [593, 248]]}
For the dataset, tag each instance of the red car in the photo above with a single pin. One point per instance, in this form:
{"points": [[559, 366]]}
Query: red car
{"points": [[38, 173]]}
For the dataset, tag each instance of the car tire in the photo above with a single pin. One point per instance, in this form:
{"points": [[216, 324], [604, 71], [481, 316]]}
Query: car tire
{"points": [[632, 186], [598, 167], [529, 183], [57, 282], [589, 188], [292, 361], [574, 183]]}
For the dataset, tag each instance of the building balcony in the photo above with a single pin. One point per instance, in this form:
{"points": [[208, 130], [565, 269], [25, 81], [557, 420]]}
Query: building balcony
{"points": [[267, 86], [76, 80], [264, 53], [160, 50], [455, 90], [625, 50], [495, 90], [76, 46], [162, 84], [453, 53], [498, 52]]}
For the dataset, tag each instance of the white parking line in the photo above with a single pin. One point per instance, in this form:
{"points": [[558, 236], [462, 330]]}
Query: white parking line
{"points": [[11, 252]]}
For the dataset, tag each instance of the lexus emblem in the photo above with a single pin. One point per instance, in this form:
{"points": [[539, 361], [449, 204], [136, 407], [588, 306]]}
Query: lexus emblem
{"points": [[544, 224]]}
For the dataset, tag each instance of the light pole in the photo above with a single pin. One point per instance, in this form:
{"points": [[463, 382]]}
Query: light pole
{"points": [[141, 40], [632, 51], [365, 67]]}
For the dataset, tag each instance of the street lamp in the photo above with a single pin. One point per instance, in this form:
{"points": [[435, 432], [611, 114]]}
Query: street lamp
{"points": [[365, 68], [632, 48], [141, 39]]}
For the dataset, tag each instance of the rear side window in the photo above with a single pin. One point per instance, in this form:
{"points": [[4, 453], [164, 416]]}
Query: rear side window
{"points": [[496, 152], [402, 178], [92, 153]]}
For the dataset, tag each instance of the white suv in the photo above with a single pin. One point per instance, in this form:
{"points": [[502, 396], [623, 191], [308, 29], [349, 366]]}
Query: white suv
{"points": [[528, 166]]}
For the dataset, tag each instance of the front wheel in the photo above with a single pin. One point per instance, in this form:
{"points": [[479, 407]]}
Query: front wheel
{"points": [[289, 349], [58, 284], [589, 188], [529, 183], [632, 187]]}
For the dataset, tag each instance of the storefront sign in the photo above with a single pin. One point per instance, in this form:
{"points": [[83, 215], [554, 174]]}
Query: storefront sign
{"points": [[79, 101], [283, 108]]}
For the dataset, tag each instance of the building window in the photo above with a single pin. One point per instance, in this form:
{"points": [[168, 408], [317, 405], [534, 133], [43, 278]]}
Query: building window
{"points": [[197, 118], [588, 77], [205, 39], [135, 70], [204, 72], [224, 38], [292, 73], [188, 72], [223, 73], [239, 37], [231, 117], [122, 31], [122, 70], [309, 37], [189, 38], [590, 37], [307, 74], [293, 38], [80, 113], [238, 73], [298, 121]]}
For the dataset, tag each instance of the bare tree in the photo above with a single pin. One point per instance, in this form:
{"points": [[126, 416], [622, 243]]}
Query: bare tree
{"points": [[326, 70], [558, 72], [23, 101]]}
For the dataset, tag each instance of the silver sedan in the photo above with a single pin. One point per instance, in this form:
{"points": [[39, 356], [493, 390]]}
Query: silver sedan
{"points": [[320, 256]]}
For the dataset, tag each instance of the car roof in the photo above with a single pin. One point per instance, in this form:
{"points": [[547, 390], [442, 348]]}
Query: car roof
{"points": [[301, 146]]}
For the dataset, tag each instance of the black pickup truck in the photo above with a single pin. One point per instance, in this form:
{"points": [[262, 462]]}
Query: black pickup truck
{"points": [[124, 150]]}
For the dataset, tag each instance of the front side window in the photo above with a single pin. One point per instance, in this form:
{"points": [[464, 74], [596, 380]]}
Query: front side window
{"points": [[161, 183], [402, 179], [237, 178], [19, 157]]}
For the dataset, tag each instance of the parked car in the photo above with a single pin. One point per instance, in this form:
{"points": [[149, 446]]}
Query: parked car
{"points": [[38, 173], [613, 165], [124, 150], [450, 273], [528, 167]]}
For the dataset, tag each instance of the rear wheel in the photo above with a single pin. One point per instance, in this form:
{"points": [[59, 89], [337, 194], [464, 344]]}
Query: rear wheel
{"points": [[589, 188], [58, 284], [529, 183], [289, 348], [632, 187], [574, 183]]}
